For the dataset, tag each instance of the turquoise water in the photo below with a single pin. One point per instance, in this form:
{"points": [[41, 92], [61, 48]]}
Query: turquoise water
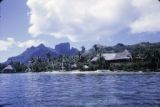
{"points": [[79, 90]]}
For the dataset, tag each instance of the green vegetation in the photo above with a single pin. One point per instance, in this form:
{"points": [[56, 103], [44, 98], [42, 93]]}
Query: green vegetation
{"points": [[145, 57]]}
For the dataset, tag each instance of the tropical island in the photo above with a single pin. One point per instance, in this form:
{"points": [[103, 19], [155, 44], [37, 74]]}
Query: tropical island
{"points": [[144, 57]]}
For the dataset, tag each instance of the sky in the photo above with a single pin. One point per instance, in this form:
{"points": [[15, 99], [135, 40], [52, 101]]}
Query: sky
{"points": [[26, 23]]}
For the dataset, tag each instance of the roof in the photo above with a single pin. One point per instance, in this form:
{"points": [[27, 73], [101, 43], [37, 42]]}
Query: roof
{"points": [[115, 56], [95, 59], [9, 68], [85, 66], [109, 56]]}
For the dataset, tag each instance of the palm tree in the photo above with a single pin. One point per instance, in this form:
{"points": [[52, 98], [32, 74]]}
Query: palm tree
{"points": [[79, 55], [48, 57], [49, 62], [156, 58], [96, 49], [83, 49], [33, 63], [100, 52]]}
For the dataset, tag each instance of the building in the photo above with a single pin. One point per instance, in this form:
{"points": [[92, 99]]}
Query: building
{"points": [[8, 69], [115, 57]]}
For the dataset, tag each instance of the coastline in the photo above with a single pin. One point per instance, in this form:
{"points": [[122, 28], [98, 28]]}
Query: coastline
{"points": [[88, 72], [98, 72]]}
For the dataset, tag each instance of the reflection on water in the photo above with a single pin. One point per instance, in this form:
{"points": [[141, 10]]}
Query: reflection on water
{"points": [[91, 90]]}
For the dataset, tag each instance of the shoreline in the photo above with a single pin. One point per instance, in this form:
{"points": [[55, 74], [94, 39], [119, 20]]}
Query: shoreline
{"points": [[88, 72], [99, 72]]}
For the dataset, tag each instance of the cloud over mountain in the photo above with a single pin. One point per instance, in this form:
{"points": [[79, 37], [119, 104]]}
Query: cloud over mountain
{"points": [[83, 20], [29, 43], [10, 42], [6, 44]]}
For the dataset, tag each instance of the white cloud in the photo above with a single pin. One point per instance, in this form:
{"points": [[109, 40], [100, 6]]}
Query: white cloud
{"points": [[149, 16], [149, 23], [29, 43], [10, 42], [6, 44], [81, 20]]}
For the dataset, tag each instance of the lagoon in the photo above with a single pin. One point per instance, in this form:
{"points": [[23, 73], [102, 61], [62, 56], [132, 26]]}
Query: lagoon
{"points": [[80, 90]]}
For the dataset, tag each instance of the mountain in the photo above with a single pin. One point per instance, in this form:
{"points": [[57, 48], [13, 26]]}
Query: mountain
{"points": [[39, 51], [64, 49], [42, 51]]}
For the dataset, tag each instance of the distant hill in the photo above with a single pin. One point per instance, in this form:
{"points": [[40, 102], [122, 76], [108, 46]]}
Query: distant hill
{"points": [[134, 49], [42, 51]]}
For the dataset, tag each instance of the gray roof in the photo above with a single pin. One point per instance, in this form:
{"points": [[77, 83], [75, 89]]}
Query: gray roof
{"points": [[85, 66], [115, 56], [9, 68], [95, 58]]}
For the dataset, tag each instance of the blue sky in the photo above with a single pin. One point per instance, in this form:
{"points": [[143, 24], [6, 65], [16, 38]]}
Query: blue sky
{"points": [[24, 23]]}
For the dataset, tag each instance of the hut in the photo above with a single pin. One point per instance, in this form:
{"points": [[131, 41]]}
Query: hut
{"points": [[124, 56], [8, 69]]}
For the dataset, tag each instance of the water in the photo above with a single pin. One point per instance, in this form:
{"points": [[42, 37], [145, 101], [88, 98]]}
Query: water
{"points": [[73, 90]]}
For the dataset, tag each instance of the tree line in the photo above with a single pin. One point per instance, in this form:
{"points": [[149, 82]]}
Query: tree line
{"points": [[143, 58]]}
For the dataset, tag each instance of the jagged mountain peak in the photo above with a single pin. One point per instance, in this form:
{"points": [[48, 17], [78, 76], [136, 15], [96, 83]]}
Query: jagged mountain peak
{"points": [[41, 45], [42, 51]]}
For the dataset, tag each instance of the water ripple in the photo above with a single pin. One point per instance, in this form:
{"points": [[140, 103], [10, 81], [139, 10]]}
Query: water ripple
{"points": [[46, 90]]}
